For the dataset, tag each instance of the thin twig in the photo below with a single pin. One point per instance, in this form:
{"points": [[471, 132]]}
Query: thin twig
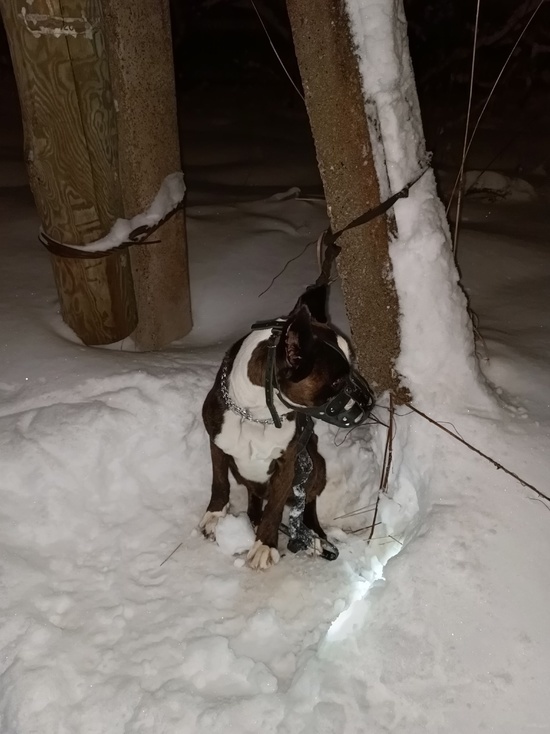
{"points": [[386, 465], [537, 499], [486, 40], [477, 451], [368, 527], [535, 11], [385, 471], [360, 511], [455, 429], [474, 319], [365, 509], [171, 554], [279, 59], [284, 268], [399, 415], [466, 128], [373, 422], [382, 537], [319, 249], [390, 448]]}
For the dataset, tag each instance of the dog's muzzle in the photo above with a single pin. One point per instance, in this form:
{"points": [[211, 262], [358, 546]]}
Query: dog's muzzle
{"points": [[349, 408]]}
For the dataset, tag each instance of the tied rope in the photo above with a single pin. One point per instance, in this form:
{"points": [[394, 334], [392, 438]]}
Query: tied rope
{"points": [[138, 236]]}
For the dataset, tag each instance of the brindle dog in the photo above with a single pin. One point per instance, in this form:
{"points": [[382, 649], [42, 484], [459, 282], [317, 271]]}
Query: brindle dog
{"points": [[243, 438]]}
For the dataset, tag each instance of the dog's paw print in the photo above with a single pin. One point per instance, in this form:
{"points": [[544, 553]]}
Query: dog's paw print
{"points": [[209, 522], [261, 556]]}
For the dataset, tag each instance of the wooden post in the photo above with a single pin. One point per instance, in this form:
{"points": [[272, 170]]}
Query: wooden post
{"points": [[336, 109], [142, 73], [60, 63]]}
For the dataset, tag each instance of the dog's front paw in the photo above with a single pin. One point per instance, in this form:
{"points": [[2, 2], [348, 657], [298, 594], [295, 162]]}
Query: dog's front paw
{"points": [[210, 521], [261, 556]]}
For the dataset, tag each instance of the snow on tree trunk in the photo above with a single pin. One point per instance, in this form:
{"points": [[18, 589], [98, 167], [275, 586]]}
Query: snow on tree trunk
{"points": [[332, 85], [436, 358]]}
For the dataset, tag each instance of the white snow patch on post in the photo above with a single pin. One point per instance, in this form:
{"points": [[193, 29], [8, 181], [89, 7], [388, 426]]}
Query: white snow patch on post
{"points": [[436, 359]]}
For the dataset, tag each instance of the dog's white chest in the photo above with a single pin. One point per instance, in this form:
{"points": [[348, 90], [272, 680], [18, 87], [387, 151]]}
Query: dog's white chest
{"points": [[253, 445]]}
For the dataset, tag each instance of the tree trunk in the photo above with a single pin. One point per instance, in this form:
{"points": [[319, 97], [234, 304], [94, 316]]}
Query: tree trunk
{"points": [[336, 107], [62, 74], [142, 72]]}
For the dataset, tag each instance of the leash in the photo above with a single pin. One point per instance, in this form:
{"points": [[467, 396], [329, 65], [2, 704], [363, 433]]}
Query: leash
{"points": [[276, 326], [301, 537], [329, 238]]}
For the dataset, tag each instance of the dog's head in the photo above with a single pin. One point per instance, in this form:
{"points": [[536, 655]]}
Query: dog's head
{"points": [[314, 364]]}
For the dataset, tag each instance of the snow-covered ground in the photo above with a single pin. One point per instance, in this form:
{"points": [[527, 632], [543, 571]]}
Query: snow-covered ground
{"points": [[440, 625]]}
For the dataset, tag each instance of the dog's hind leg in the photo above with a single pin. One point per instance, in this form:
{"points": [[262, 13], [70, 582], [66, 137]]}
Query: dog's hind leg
{"points": [[219, 500]]}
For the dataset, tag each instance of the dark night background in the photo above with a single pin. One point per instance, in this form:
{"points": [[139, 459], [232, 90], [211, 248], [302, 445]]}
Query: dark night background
{"points": [[232, 89], [221, 46]]}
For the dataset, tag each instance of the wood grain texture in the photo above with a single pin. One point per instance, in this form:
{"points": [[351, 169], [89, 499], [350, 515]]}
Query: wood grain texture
{"points": [[336, 109], [60, 64], [140, 60]]}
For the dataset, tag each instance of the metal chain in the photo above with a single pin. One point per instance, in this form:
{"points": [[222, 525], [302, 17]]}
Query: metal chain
{"points": [[232, 405]]}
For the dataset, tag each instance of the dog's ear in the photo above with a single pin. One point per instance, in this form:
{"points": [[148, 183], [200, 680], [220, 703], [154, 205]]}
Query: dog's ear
{"points": [[315, 299], [297, 339]]}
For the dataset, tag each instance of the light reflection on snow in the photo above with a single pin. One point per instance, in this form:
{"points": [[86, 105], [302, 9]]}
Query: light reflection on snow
{"points": [[353, 615]]}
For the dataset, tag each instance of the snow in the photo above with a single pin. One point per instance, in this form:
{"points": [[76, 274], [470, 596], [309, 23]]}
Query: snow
{"points": [[117, 616], [496, 184], [106, 470], [234, 534]]}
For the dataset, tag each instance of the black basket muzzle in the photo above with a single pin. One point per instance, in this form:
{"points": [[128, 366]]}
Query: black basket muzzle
{"points": [[350, 407]]}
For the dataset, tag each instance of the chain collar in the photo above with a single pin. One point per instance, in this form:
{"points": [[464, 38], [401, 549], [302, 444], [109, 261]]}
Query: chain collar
{"points": [[232, 405]]}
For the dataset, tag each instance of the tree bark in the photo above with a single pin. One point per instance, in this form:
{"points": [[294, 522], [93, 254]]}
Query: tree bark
{"points": [[142, 72], [58, 54], [336, 108]]}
